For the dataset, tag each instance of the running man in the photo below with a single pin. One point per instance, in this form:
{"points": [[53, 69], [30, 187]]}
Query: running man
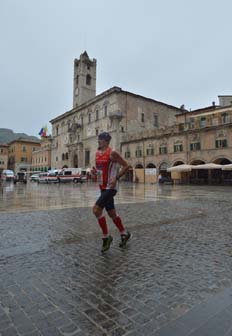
{"points": [[108, 161]]}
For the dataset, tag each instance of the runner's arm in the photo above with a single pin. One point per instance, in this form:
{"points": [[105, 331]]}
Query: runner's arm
{"points": [[116, 157]]}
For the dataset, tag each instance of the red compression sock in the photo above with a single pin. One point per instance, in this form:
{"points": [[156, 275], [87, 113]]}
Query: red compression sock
{"points": [[118, 222], [103, 225]]}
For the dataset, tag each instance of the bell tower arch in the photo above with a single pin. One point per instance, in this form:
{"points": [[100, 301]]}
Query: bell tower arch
{"points": [[84, 82]]}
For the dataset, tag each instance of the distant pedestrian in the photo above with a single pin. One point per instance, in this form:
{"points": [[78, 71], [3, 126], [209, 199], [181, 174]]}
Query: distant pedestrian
{"points": [[107, 163]]}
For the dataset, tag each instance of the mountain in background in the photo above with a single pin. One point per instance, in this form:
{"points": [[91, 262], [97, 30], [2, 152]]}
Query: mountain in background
{"points": [[7, 135]]}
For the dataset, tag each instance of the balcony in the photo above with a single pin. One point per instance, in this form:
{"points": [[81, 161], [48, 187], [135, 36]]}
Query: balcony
{"points": [[116, 115], [74, 127]]}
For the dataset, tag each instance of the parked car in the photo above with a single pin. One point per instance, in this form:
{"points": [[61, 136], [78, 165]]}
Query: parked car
{"points": [[7, 175], [34, 177], [20, 177], [47, 178]]}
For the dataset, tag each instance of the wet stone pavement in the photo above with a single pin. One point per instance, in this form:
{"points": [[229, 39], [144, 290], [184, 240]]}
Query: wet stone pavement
{"points": [[174, 277]]}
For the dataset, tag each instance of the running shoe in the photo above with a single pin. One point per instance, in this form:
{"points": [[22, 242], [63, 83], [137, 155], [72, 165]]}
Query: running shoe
{"points": [[106, 243], [125, 238]]}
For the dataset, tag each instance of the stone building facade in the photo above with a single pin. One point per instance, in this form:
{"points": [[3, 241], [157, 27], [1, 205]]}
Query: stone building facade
{"points": [[200, 136], [20, 154], [41, 157], [3, 156], [116, 111]]}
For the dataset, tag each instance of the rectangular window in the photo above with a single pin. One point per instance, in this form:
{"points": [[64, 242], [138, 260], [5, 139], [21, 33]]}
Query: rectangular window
{"points": [[150, 151], [24, 149], [89, 118], [221, 143], [191, 123], [87, 157], [138, 153], [225, 118], [97, 114], [156, 121], [142, 117], [163, 150], [178, 148], [127, 155], [195, 146], [202, 122], [105, 110]]}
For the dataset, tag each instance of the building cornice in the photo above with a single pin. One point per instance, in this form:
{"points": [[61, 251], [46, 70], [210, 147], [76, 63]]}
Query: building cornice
{"points": [[28, 141], [170, 133], [114, 89]]}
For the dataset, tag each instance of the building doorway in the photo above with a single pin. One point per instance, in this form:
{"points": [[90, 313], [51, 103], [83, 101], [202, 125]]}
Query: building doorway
{"points": [[75, 161]]}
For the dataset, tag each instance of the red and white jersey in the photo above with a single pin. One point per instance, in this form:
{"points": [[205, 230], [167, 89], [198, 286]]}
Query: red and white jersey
{"points": [[106, 168]]}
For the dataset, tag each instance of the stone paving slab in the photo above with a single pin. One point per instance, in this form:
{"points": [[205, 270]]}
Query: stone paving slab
{"points": [[55, 281], [211, 318]]}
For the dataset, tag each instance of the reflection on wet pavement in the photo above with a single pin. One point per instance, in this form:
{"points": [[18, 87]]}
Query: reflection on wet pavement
{"points": [[35, 196], [55, 281]]}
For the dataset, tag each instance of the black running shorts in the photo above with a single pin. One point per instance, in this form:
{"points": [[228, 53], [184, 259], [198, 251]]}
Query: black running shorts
{"points": [[106, 199]]}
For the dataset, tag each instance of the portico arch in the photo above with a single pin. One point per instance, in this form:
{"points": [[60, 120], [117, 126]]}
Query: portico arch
{"points": [[139, 166], [139, 173], [222, 161], [163, 169], [150, 165], [197, 162], [177, 163]]}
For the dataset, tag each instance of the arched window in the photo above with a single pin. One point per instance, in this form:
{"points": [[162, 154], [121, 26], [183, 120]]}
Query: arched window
{"points": [[63, 156], [88, 80], [105, 110], [66, 156]]}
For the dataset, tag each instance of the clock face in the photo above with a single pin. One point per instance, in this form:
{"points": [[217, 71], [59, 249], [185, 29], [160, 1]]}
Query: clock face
{"points": [[76, 91]]}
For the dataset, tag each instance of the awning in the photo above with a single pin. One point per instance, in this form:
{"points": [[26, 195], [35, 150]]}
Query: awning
{"points": [[208, 166], [180, 168], [227, 167]]}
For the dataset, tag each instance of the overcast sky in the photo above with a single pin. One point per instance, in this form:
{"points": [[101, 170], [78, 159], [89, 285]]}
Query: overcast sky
{"points": [[174, 51]]}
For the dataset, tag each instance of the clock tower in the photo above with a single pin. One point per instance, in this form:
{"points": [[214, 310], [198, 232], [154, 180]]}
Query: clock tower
{"points": [[84, 82]]}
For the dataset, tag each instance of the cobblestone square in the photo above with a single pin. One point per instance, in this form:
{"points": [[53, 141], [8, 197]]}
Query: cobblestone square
{"points": [[174, 277]]}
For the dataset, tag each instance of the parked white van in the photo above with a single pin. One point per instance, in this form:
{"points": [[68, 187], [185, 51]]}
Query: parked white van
{"points": [[70, 175], [7, 175]]}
